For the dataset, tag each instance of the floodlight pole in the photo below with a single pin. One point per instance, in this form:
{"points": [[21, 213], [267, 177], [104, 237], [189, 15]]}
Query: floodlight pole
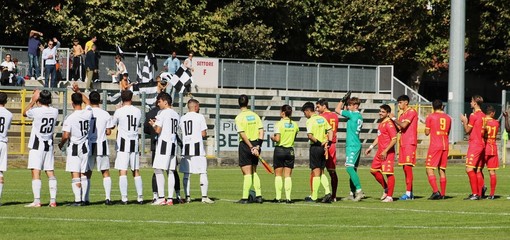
{"points": [[456, 68]]}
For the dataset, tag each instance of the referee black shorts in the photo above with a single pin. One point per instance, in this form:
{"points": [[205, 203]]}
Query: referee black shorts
{"points": [[317, 158], [245, 156], [283, 157]]}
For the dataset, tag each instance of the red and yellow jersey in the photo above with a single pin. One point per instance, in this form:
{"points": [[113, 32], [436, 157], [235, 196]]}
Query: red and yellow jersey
{"points": [[386, 131], [332, 119], [476, 121], [439, 124], [409, 135], [492, 127]]}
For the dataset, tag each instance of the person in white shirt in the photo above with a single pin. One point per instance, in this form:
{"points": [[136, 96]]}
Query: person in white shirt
{"points": [[128, 120], [40, 156], [7, 67], [5, 124], [165, 159], [49, 55], [194, 130], [76, 129]]}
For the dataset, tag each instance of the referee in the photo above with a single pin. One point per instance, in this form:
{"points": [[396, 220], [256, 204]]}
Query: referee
{"points": [[285, 132], [251, 132]]}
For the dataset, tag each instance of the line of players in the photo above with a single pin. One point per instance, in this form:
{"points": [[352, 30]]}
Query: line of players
{"points": [[84, 134], [322, 125]]}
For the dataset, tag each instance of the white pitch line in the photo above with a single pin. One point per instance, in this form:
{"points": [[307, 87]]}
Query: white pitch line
{"points": [[249, 223]]}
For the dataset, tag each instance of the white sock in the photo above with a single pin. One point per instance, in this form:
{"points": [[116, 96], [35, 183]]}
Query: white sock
{"points": [[87, 190], [52, 182], [107, 184], [36, 189], [84, 187], [123, 185], [1, 189], [408, 193], [139, 187], [186, 181], [160, 181], [204, 184], [76, 189], [171, 185]]}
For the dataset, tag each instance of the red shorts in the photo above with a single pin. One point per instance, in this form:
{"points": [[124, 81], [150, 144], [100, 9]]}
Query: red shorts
{"points": [[331, 161], [386, 166], [492, 162], [407, 155], [436, 158], [474, 156]]}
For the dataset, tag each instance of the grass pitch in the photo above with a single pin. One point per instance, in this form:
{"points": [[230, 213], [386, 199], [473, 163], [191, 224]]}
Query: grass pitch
{"points": [[452, 218]]}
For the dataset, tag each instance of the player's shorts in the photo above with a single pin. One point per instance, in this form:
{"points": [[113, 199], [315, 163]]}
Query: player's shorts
{"points": [[492, 162], [164, 162], [352, 156], [193, 164], [317, 158], [245, 156], [283, 157], [3, 156], [331, 161], [407, 155], [102, 162], [436, 159], [386, 166], [127, 159], [474, 156], [41, 160], [77, 158]]}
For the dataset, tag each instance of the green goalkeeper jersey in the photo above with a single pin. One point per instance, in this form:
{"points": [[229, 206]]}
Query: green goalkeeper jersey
{"points": [[354, 124]]}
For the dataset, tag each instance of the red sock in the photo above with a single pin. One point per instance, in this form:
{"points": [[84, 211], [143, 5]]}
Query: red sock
{"points": [[391, 184], [442, 181], [481, 182], [311, 183], [380, 178], [408, 171], [433, 183], [493, 184], [334, 184], [473, 182]]}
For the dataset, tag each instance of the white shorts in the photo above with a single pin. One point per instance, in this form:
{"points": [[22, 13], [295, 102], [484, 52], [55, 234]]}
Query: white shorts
{"points": [[3, 157], [41, 160], [103, 162], [164, 162], [193, 164], [78, 164], [127, 159]]}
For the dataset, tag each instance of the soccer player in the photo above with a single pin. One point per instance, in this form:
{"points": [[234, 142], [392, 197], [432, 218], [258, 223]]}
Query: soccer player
{"points": [[407, 123], [5, 124], [437, 126], [285, 132], [165, 158], [40, 156], [127, 119], [194, 129], [491, 149], [100, 127], [322, 107], [385, 156], [476, 146], [75, 128], [320, 136], [352, 144], [251, 132]]}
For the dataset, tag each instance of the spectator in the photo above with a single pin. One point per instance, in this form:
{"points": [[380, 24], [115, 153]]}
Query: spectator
{"points": [[19, 79], [188, 64], [7, 70], [78, 53], [121, 68], [34, 43], [49, 55], [172, 64], [90, 43], [91, 66]]}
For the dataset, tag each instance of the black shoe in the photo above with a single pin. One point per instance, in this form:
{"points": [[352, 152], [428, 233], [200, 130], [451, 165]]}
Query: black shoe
{"points": [[258, 199], [327, 198], [435, 196], [140, 202], [472, 197], [277, 201], [491, 197], [86, 203], [124, 202], [75, 204], [288, 201], [309, 199], [154, 200], [484, 189], [242, 201], [107, 202], [442, 197]]}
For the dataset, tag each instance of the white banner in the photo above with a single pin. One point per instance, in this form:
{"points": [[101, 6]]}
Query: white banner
{"points": [[229, 138], [205, 72]]}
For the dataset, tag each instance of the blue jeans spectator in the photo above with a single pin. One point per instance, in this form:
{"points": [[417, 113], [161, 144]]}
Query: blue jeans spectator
{"points": [[20, 81], [33, 64], [50, 69]]}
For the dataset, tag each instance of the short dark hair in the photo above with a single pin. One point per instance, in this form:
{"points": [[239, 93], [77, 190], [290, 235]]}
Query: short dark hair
{"points": [[322, 102], [77, 98], [125, 75], [308, 106], [165, 97], [437, 104], [287, 109], [45, 97], [403, 98], [490, 109], [478, 99], [243, 100], [386, 108], [192, 100], [3, 98], [126, 95], [95, 97]]}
